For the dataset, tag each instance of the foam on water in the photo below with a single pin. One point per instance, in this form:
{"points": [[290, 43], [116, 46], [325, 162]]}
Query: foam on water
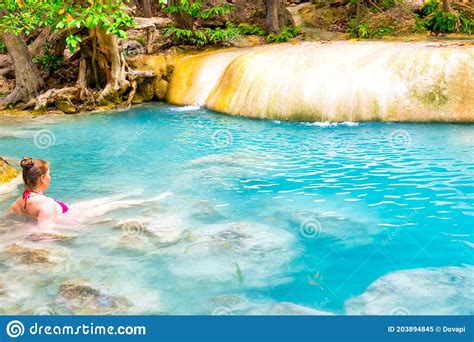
{"points": [[187, 108]]}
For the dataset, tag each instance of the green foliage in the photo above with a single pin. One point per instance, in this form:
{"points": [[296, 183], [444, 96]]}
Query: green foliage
{"points": [[216, 36], [434, 19], [467, 25], [441, 22], [201, 37], [3, 48], [286, 33], [25, 16], [196, 9], [387, 4], [246, 29], [219, 35], [365, 32], [47, 60], [431, 6], [109, 16]]}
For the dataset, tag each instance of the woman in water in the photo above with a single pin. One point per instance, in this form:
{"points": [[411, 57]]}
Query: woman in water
{"points": [[33, 203]]}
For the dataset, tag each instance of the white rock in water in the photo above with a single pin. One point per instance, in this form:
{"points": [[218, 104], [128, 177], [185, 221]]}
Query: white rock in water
{"points": [[288, 309], [235, 253], [237, 305], [425, 291]]}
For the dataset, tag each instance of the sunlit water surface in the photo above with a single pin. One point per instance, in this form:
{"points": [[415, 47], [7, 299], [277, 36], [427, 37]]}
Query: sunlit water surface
{"points": [[184, 211]]}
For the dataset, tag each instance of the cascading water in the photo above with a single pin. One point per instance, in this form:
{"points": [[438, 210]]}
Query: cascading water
{"points": [[337, 81]]}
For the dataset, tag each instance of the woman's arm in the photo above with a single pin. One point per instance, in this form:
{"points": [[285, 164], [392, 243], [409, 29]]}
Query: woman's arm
{"points": [[13, 209]]}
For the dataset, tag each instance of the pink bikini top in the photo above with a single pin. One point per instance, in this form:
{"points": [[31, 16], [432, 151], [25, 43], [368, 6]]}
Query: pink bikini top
{"points": [[27, 193]]}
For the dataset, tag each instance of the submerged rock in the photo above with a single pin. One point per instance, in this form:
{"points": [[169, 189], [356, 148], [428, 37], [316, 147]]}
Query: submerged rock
{"points": [[42, 237], [236, 253], [417, 292], [238, 305], [157, 235], [27, 255], [77, 295]]}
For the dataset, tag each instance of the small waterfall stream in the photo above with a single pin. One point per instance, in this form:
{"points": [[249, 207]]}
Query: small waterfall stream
{"points": [[333, 81]]}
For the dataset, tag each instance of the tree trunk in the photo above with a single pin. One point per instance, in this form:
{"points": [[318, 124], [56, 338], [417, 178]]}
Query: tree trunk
{"points": [[37, 47], [358, 10], [58, 41], [147, 13], [182, 20], [113, 65], [447, 6], [149, 31], [272, 23], [28, 81]]}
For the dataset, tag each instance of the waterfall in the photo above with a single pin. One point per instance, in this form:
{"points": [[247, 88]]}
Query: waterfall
{"points": [[333, 81]]}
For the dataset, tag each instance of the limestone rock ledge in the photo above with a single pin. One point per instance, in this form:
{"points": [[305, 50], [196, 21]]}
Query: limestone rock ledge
{"points": [[7, 172]]}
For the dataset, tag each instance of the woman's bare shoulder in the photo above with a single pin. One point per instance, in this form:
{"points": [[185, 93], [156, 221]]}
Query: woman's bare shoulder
{"points": [[16, 206]]}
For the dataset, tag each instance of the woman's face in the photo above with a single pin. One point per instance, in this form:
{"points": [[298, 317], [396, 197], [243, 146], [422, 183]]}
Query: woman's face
{"points": [[45, 180]]}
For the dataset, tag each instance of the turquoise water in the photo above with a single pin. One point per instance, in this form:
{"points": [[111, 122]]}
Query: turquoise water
{"points": [[184, 211]]}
